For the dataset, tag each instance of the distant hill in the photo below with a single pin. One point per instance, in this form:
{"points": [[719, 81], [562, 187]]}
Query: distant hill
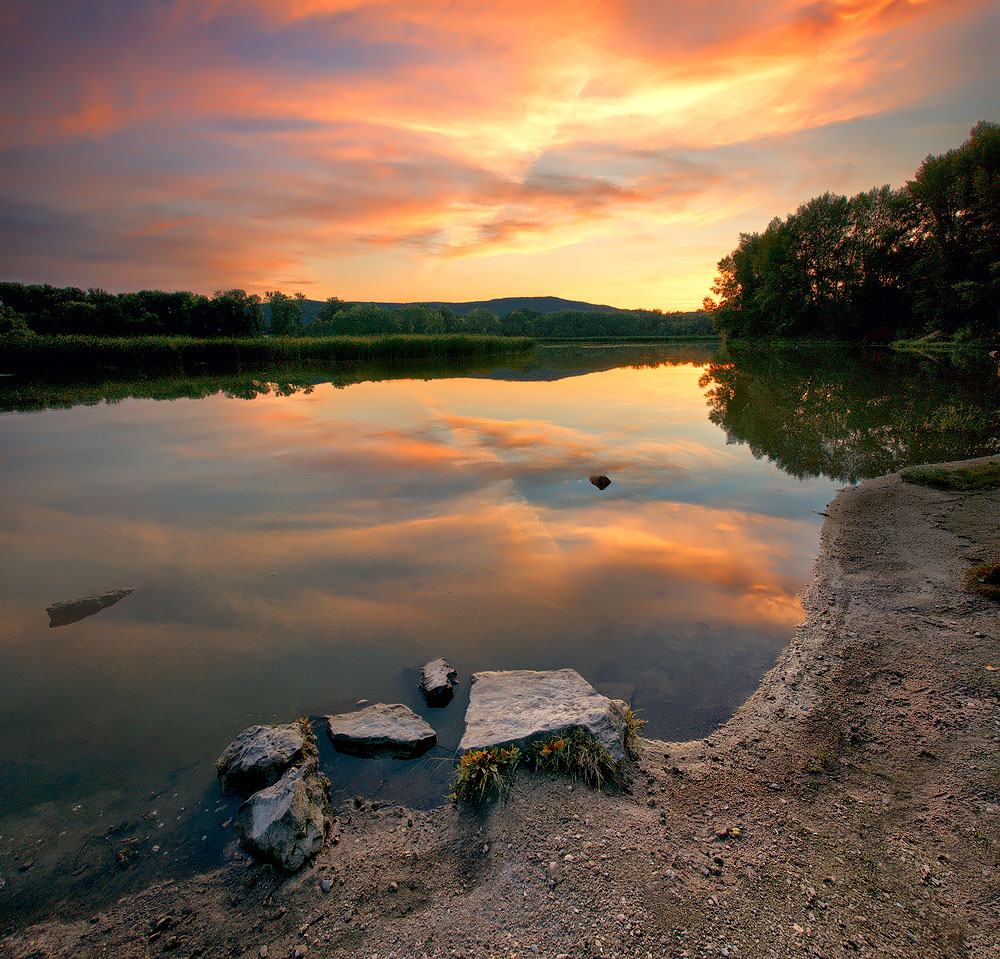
{"points": [[501, 306]]}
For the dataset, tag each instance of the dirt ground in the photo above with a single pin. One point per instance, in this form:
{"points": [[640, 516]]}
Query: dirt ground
{"points": [[850, 808]]}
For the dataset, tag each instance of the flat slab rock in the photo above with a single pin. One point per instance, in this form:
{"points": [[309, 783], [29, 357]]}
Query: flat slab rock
{"points": [[287, 823], [437, 682], [260, 755], [73, 610], [521, 705], [392, 728]]}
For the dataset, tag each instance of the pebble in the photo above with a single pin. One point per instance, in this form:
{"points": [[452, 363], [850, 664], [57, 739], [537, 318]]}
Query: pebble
{"points": [[262, 952], [326, 885], [299, 951]]}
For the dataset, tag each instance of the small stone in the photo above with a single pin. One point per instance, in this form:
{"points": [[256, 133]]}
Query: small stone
{"points": [[326, 885], [393, 887], [381, 728], [299, 951], [437, 682], [261, 755], [262, 952], [600, 481], [288, 822]]}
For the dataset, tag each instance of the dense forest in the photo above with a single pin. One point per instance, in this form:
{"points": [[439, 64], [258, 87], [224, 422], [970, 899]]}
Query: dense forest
{"points": [[57, 311], [921, 260]]}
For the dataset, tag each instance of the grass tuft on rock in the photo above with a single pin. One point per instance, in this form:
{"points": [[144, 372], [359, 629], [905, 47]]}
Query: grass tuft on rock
{"points": [[485, 773], [984, 579], [965, 479]]}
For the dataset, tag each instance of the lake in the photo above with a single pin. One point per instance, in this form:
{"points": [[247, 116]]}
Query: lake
{"points": [[297, 546]]}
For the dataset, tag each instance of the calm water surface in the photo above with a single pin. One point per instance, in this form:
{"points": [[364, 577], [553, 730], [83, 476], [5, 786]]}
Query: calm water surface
{"points": [[293, 554]]}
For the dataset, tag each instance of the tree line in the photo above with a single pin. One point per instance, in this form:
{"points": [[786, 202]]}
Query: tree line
{"points": [[51, 310], [920, 260]]}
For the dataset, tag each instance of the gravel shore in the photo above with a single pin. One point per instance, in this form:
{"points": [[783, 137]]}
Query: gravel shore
{"points": [[851, 807]]}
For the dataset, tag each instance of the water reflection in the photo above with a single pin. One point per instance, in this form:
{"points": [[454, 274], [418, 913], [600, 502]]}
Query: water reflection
{"points": [[851, 415], [318, 544]]}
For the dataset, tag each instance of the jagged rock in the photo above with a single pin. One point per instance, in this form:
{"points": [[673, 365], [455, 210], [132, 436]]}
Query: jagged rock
{"points": [[73, 610], [260, 755], [437, 682], [287, 823], [601, 482], [395, 729], [521, 705]]}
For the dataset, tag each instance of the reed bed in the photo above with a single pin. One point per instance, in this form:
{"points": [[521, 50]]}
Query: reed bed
{"points": [[62, 357]]}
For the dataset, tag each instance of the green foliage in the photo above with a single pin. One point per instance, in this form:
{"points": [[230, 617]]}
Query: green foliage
{"points": [[984, 579], [984, 476], [485, 773], [63, 357], [578, 755], [633, 726], [52, 311], [884, 263], [285, 312]]}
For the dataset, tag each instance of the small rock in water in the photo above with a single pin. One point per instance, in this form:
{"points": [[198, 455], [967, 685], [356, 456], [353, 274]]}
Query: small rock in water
{"points": [[260, 755], [394, 728], [601, 482], [73, 610], [437, 682]]}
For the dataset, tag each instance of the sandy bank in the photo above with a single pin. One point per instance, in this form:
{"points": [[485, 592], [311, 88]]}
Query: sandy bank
{"points": [[850, 808]]}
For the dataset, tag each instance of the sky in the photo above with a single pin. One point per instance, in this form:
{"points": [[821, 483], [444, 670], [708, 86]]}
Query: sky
{"points": [[439, 150]]}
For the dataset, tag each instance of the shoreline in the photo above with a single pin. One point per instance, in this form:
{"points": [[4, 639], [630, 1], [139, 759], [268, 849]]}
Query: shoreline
{"points": [[850, 807]]}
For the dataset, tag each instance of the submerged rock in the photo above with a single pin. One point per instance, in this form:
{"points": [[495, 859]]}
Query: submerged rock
{"points": [[287, 823], [521, 705], [73, 610], [394, 728], [260, 755], [601, 482], [437, 682]]}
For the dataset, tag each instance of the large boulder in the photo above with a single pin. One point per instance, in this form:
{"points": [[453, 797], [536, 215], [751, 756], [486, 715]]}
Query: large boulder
{"points": [[378, 728], [437, 682], [521, 705], [260, 755], [73, 610], [287, 823]]}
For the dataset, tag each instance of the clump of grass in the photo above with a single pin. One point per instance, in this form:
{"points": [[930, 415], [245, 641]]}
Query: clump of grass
{"points": [[485, 773], [633, 724], [578, 755], [983, 476], [984, 579]]}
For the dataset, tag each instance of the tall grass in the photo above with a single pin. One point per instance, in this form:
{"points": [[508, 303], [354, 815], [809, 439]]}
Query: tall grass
{"points": [[62, 357]]}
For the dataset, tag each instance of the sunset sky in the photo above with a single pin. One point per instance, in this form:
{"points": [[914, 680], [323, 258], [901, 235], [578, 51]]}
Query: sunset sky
{"points": [[599, 150]]}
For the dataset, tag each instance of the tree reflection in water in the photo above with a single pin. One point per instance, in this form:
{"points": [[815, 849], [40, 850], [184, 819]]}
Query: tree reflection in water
{"points": [[852, 414]]}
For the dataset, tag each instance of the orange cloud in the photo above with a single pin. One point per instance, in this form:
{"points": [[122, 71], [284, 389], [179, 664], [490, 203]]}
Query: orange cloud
{"points": [[431, 149]]}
